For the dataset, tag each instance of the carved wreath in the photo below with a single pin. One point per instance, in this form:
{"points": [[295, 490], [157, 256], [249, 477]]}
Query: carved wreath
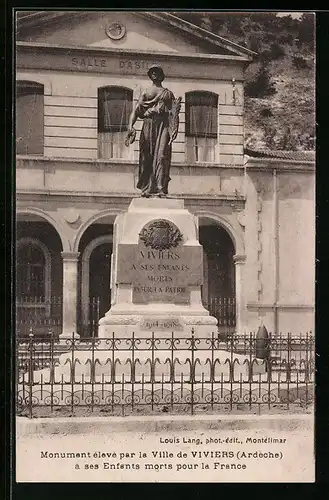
{"points": [[161, 235]]}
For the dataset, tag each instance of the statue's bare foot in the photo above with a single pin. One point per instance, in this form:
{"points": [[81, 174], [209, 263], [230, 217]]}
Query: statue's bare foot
{"points": [[145, 195], [161, 194]]}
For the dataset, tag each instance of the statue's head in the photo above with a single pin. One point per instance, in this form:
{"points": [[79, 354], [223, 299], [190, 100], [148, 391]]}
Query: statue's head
{"points": [[155, 73]]}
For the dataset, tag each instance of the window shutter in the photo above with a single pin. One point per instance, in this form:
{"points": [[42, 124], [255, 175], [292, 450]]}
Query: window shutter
{"points": [[201, 111], [114, 108], [29, 118]]}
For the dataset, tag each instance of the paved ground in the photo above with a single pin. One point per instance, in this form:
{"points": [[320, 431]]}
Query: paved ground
{"points": [[237, 449]]}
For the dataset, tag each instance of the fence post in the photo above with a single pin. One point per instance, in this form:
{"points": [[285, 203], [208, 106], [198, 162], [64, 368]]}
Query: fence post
{"points": [[192, 370], [52, 369], [94, 306], [308, 356], [31, 336], [289, 361]]}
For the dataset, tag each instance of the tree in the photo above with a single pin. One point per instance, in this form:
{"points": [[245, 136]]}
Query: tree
{"points": [[288, 141], [269, 134], [306, 29], [254, 42], [266, 113], [261, 85], [276, 51]]}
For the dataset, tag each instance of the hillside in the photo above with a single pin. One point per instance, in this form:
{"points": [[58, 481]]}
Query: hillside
{"points": [[280, 82]]}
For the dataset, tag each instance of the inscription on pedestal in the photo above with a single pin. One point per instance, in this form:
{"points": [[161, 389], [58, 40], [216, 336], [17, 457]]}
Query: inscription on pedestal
{"points": [[160, 275], [161, 324]]}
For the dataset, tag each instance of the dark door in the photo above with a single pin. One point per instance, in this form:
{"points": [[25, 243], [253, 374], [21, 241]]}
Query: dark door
{"points": [[99, 281], [220, 294]]}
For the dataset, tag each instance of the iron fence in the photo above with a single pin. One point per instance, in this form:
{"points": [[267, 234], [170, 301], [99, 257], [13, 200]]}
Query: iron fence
{"points": [[164, 374], [224, 310], [45, 315], [39, 314], [91, 330]]}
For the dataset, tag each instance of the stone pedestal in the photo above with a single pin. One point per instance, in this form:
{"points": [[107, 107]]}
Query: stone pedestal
{"points": [[157, 272]]}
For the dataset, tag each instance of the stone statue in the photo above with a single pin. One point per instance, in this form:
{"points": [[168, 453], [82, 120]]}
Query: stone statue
{"points": [[159, 110]]}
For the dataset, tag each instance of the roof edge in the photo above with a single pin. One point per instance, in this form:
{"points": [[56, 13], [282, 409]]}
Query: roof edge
{"points": [[278, 163], [306, 156], [202, 33], [150, 53]]}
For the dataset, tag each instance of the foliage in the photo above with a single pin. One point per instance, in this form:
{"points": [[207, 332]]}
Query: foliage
{"points": [[276, 51], [299, 62], [280, 82], [261, 85]]}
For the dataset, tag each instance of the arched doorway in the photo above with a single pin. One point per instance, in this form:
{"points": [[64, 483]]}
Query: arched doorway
{"points": [[95, 277], [38, 277], [218, 290]]}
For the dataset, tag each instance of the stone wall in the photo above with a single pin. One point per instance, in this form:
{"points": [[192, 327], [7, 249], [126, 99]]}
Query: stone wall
{"points": [[280, 247]]}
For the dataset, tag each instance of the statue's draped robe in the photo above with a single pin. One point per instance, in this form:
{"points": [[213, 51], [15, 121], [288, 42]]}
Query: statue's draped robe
{"points": [[155, 150]]}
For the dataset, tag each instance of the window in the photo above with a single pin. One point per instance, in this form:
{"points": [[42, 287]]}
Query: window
{"points": [[29, 118], [201, 125], [33, 262], [114, 108]]}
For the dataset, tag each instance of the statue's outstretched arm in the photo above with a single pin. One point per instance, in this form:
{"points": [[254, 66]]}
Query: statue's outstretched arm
{"points": [[135, 113], [132, 119], [131, 134]]}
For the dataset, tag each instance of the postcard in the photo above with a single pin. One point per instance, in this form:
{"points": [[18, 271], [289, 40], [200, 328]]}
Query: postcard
{"points": [[164, 241]]}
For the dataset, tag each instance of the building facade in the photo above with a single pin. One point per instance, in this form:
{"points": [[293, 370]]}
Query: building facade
{"points": [[77, 77]]}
